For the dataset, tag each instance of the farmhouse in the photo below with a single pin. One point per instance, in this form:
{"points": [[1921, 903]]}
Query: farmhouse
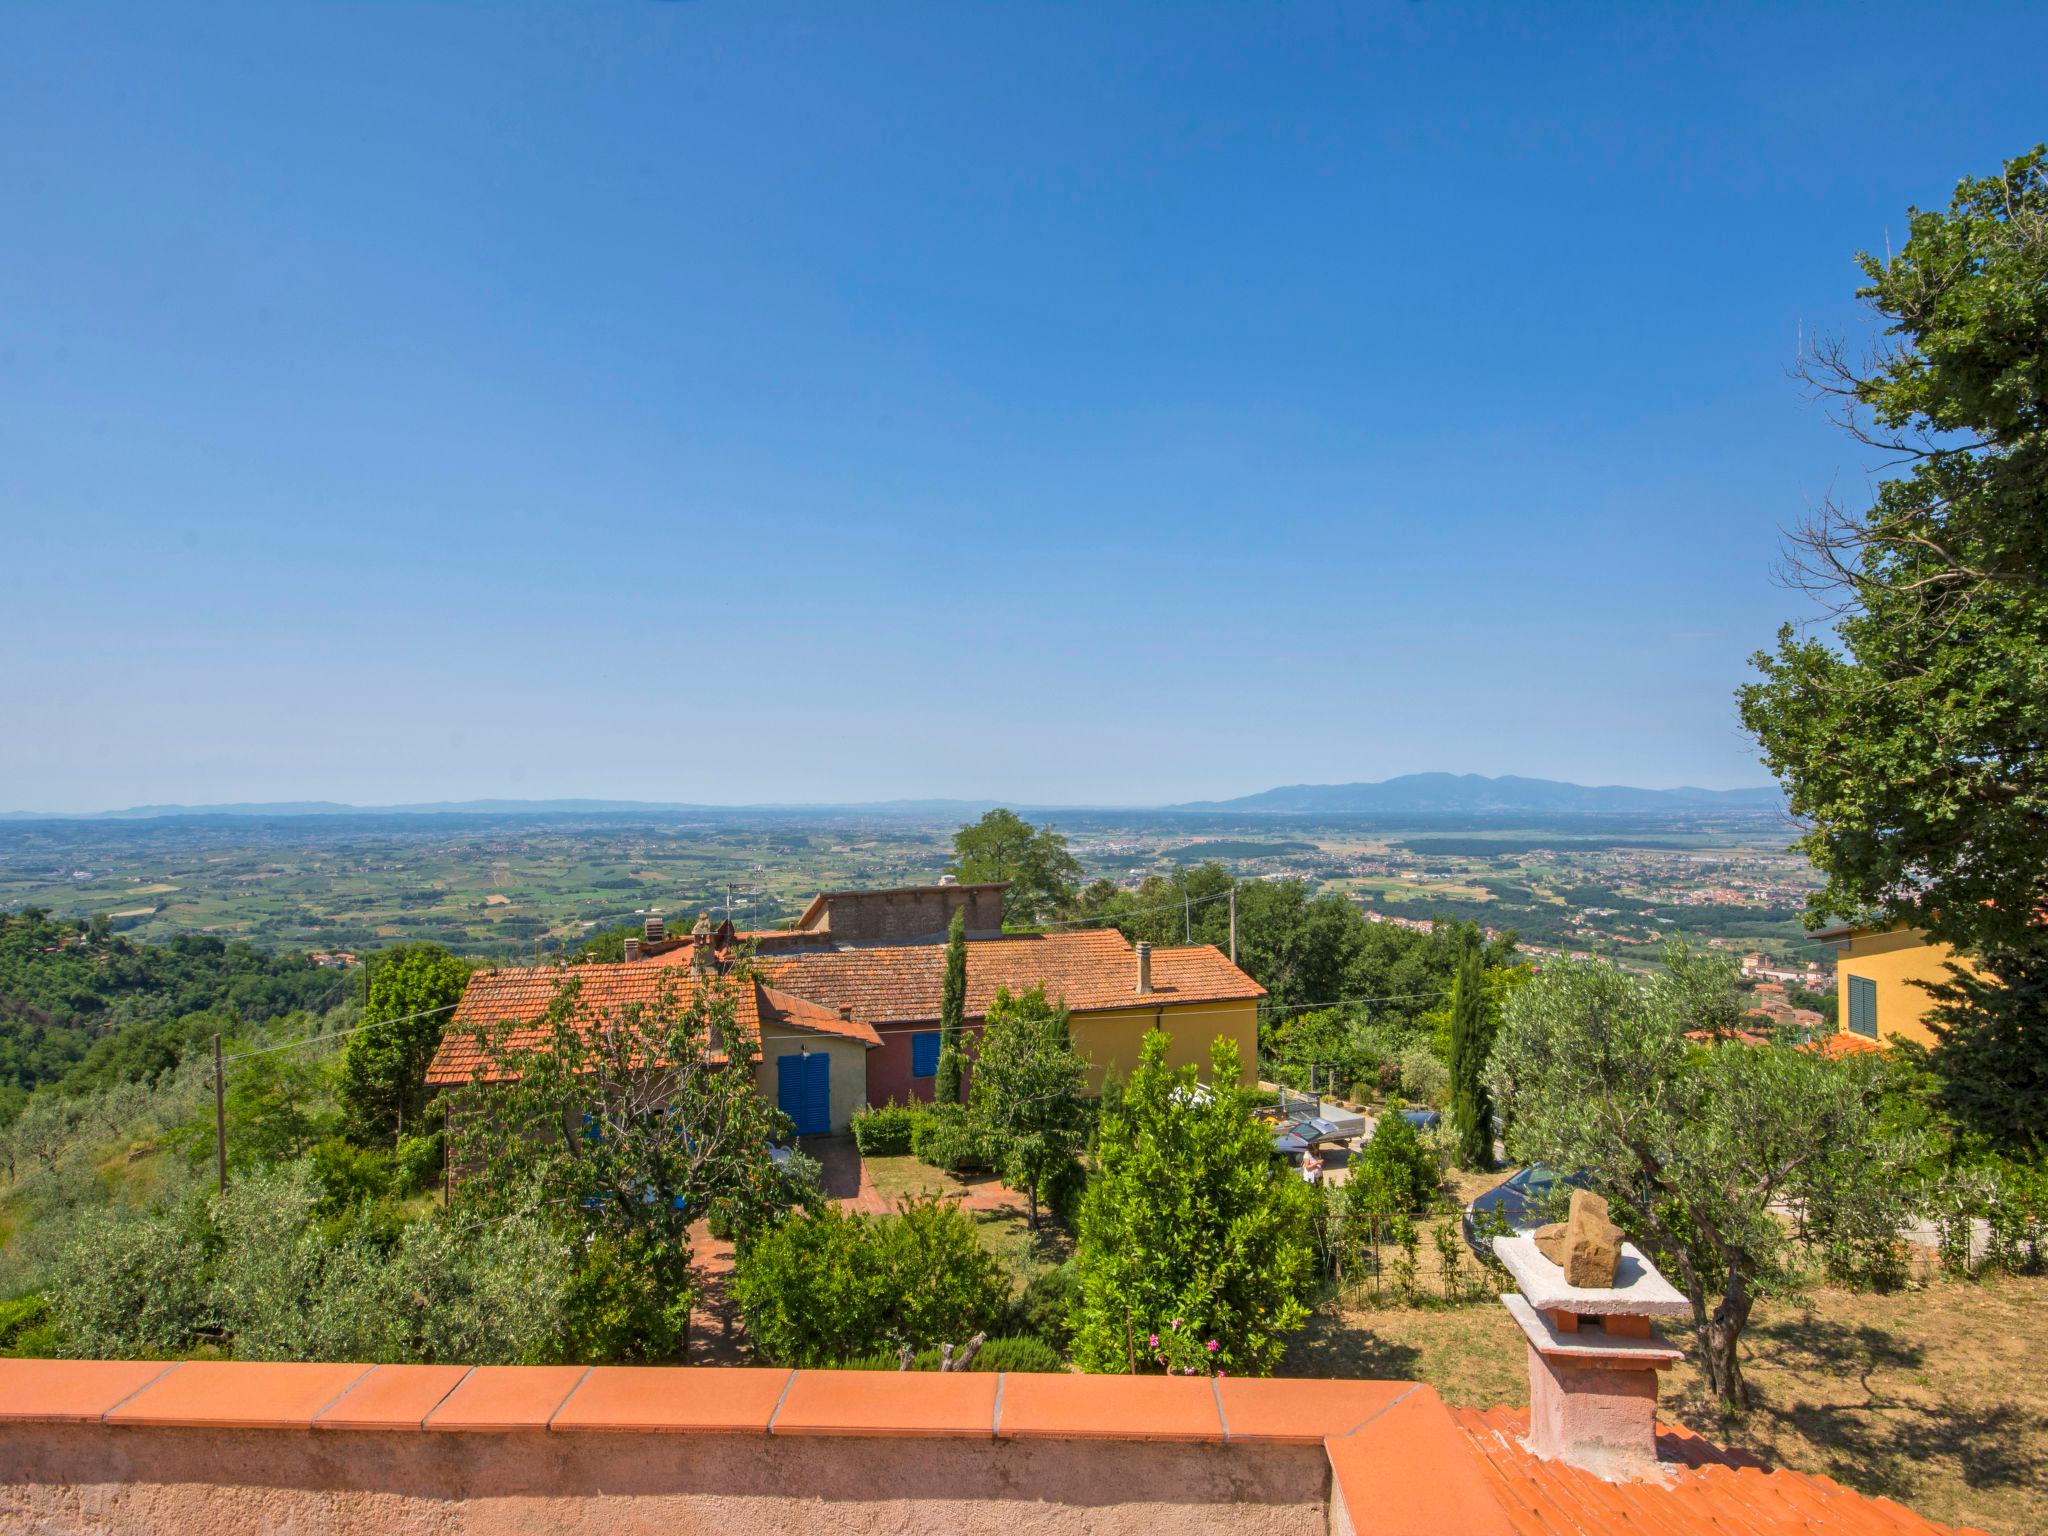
{"points": [[846, 1004]]}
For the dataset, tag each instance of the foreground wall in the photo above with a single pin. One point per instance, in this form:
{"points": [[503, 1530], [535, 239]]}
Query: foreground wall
{"points": [[211, 1448]]}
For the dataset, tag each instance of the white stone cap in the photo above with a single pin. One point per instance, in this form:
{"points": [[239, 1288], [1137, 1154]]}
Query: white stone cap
{"points": [[1589, 1347], [1638, 1290]]}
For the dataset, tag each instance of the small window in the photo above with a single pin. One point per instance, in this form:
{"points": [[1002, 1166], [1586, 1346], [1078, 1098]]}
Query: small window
{"points": [[1863, 1007], [924, 1054]]}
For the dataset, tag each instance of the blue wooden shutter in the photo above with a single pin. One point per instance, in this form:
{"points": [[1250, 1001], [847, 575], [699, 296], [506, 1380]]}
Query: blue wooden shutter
{"points": [[1863, 1007], [924, 1054]]}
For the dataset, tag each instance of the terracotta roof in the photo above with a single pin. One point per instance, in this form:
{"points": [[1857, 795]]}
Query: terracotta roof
{"points": [[1097, 969], [1709, 1492], [521, 994]]}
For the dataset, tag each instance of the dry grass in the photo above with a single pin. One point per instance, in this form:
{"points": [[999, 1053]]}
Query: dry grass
{"points": [[1931, 1396]]}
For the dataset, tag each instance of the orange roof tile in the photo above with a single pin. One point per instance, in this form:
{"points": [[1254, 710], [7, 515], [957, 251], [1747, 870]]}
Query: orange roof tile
{"points": [[1706, 1492], [521, 994], [1299, 1412], [1088, 971]]}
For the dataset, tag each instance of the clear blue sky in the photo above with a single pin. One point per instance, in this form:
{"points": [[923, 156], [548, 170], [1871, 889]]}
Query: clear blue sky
{"points": [[1091, 403]]}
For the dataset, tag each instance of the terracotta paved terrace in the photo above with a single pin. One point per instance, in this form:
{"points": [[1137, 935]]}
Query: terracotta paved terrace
{"points": [[216, 1447]]}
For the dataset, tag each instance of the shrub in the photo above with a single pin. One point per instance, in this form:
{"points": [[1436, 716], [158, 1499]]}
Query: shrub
{"points": [[1396, 1157], [1424, 1077], [1189, 1216], [831, 1286], [416, 1164], [1004, 1354], [946, 1137], [885, 1130], [133, 1285], [28, 1328], [1045, 1307]]}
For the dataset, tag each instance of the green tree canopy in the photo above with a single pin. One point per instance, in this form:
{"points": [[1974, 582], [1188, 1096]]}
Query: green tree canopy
{"points": [[1190, 1217], [1027, 1089], [413, 990], [629, 1124], [1693, 1145], [1911, 741], [1004, 846]]}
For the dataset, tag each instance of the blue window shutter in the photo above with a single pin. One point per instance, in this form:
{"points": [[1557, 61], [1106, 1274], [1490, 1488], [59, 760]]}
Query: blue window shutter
{"points": [[924, 1054], [1863, 1007]]}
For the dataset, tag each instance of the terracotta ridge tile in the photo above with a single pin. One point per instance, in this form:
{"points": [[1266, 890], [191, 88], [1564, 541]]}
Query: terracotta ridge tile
{"points": [[569, 1394], [344, 1392], [159, 1376], [1413, 1388], [377, 1372], [782, 1398]]}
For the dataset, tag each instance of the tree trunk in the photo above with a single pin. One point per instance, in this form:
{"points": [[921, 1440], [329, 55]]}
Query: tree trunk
{"points": [[1031, 1192], [1720, 1335]]}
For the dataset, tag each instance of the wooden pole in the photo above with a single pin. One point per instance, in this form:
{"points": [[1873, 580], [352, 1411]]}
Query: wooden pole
{"points": [[1233, 922], [220, 1119]]}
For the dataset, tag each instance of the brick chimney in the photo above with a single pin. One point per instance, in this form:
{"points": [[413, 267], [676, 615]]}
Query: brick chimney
{"points": [[1144, 966], [1593, 1358], [654, 930], [632, 948]]}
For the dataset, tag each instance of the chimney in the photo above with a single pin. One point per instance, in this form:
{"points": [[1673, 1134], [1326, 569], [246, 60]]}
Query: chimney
{"points": [[1144, 966], [1593, 1356], [846, 1011], [655, 930], [632, 949]]}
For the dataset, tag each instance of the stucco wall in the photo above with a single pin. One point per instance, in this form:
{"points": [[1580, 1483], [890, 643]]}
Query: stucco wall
{"points": [[59, 1479], [1112, 1038], [1894, 961], [889, 1066], [849, 1070]]}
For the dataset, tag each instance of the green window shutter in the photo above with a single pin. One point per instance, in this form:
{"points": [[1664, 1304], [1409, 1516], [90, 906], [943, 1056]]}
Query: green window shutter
{"points": [[1863, 1007]]}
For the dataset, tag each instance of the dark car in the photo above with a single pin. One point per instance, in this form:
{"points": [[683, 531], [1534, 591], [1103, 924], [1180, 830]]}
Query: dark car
{"points": [[1422, 1119], [1523, 1201]]}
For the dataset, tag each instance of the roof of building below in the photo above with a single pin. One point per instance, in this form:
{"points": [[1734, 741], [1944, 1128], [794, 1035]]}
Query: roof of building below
{"points": [[1706, 1492]]}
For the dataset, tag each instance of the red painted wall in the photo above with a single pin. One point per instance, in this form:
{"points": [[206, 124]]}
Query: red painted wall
{"points": [[889, 1067]]}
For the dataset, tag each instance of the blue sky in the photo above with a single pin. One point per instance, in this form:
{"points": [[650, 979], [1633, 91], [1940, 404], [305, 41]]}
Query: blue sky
{"points": [[1089, 403]]}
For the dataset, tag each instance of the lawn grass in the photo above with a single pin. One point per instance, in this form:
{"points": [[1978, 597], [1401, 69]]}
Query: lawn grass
{"points": [[1932, 1396]]}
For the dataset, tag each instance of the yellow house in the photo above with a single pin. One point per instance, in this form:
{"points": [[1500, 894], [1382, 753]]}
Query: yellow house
{"points": [[1876, 976]]}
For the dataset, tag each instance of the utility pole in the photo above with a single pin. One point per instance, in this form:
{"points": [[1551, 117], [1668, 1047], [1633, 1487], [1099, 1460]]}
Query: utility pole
{"points": [[1233, 922], [220, 1120], [1187, 916]]}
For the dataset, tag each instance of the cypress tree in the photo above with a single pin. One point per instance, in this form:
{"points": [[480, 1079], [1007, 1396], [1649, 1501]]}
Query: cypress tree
{"points": [[952, 1011], [1471, 1042]]}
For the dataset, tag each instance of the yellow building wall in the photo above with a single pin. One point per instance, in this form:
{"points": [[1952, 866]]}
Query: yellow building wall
{"points": [[1111, 1038], [1894, 961], [848, 1072]]}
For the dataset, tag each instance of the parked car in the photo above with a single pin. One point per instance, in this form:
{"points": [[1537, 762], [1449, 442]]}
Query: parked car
{"points": [[1422, 1119], [1292, 1137], [1523, 1201]]}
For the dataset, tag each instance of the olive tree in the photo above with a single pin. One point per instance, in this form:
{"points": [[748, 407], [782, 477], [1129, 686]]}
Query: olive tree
{"points": [[1701, 1149]]}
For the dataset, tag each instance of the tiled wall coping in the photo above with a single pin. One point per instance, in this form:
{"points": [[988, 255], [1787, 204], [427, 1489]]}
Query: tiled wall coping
{"points": [[1372, 1431]]}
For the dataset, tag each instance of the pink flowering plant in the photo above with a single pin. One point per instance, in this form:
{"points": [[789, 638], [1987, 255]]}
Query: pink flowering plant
{"points": [[1181, 1349]]}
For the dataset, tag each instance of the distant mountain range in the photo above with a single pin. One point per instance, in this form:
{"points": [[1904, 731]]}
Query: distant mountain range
{"points": [[1411, 793], [1474, 792]]}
